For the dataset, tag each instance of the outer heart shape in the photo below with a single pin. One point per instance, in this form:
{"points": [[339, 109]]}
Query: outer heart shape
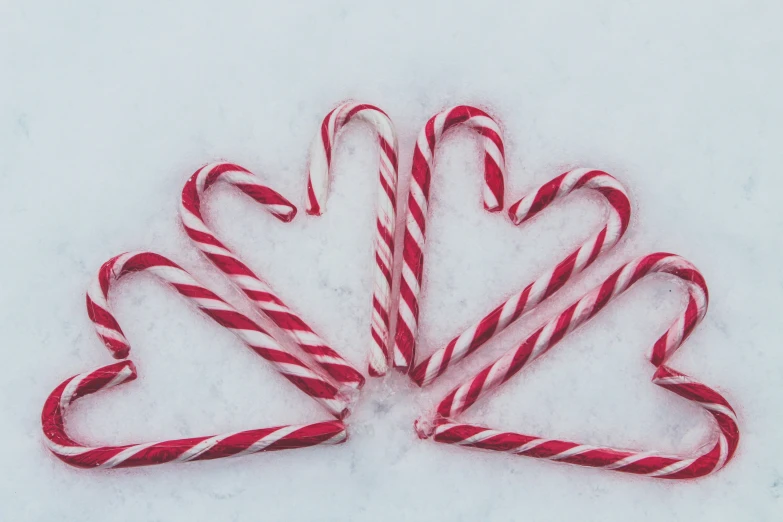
{"points": [[506, 313], [200, 448], [446, 430]]}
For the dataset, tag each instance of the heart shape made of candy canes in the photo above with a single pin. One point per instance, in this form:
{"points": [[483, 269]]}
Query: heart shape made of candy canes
{"points": [[191, 449], [257, 290], [443, 428], [618, 217]]}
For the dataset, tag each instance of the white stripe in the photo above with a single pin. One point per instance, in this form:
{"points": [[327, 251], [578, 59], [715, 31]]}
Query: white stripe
{"points": [[65, 451], [542, 342], [528, 446], [720, 408], [537, 291], [627, 461], [70, 390], [463, 343], [122, 376], [189, 220], [424, 147], [209, 248], [251, 283], [480, 121], [478, 437], [509, 307], [672, 468], [724, 452], [523, 207], [406, 314], [264, 442], [432, 367], [124, 455], [173, 275], [201, 176], [213, 304], [576, 450], [438, 123], [410, 279], [111, 333], [202, 447]]}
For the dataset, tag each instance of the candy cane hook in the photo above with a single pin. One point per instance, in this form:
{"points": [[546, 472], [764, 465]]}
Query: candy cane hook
{"points": [[318, 191], [233, 444], [709, 460], [418, 201], [255, 337], [259, 292], [618, 217]]}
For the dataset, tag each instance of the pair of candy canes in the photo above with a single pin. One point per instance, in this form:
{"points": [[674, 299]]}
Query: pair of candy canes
{"points": [[333, 390]]}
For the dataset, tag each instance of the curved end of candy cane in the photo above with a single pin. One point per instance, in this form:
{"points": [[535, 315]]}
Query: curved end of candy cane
{"points": [[78, 386], [377, 368]]}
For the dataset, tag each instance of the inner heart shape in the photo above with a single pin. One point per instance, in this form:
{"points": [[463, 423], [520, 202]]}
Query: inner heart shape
{"points": [[331, 379]]}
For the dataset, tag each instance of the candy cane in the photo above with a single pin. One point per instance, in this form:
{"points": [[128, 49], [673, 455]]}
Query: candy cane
{"points": [[710, 460], [318, 190], [522, 302], [211, 304], [418, 201], [259, 292], [233, 444]]}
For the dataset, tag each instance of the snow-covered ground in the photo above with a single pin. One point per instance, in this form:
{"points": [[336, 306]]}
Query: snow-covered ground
{"points": [[105, 110]]}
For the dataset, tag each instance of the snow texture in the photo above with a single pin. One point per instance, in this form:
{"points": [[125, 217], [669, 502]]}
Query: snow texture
{"points": [[106, 109]]}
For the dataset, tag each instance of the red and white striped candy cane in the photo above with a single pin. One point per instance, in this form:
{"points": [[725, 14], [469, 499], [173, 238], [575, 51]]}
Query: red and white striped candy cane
{"points": [[418, 201], [258, 340], [707, 461], [259, 292], [506, 313], [233, 444], [317, 193]]}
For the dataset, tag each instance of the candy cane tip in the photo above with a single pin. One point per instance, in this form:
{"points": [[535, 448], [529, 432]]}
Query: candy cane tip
{"points": [[119, 353], [495, 207], [286, 216], [512, 214], [402, 367], [377, 371], [657, 358], [424, 428], [314, 211]]}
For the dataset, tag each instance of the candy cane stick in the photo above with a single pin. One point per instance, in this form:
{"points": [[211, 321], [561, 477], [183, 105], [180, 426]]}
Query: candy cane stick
{"points": [[318, 190], [418, 201], [652, 464], [259, 292], [211, 304], [183, 450], [536, 292]]}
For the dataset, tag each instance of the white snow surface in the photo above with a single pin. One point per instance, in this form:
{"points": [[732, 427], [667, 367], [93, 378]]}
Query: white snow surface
{"points": [[106, 109]]}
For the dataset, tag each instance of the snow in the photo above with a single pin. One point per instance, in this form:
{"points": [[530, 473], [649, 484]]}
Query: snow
{"points": [[106, 109]]}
